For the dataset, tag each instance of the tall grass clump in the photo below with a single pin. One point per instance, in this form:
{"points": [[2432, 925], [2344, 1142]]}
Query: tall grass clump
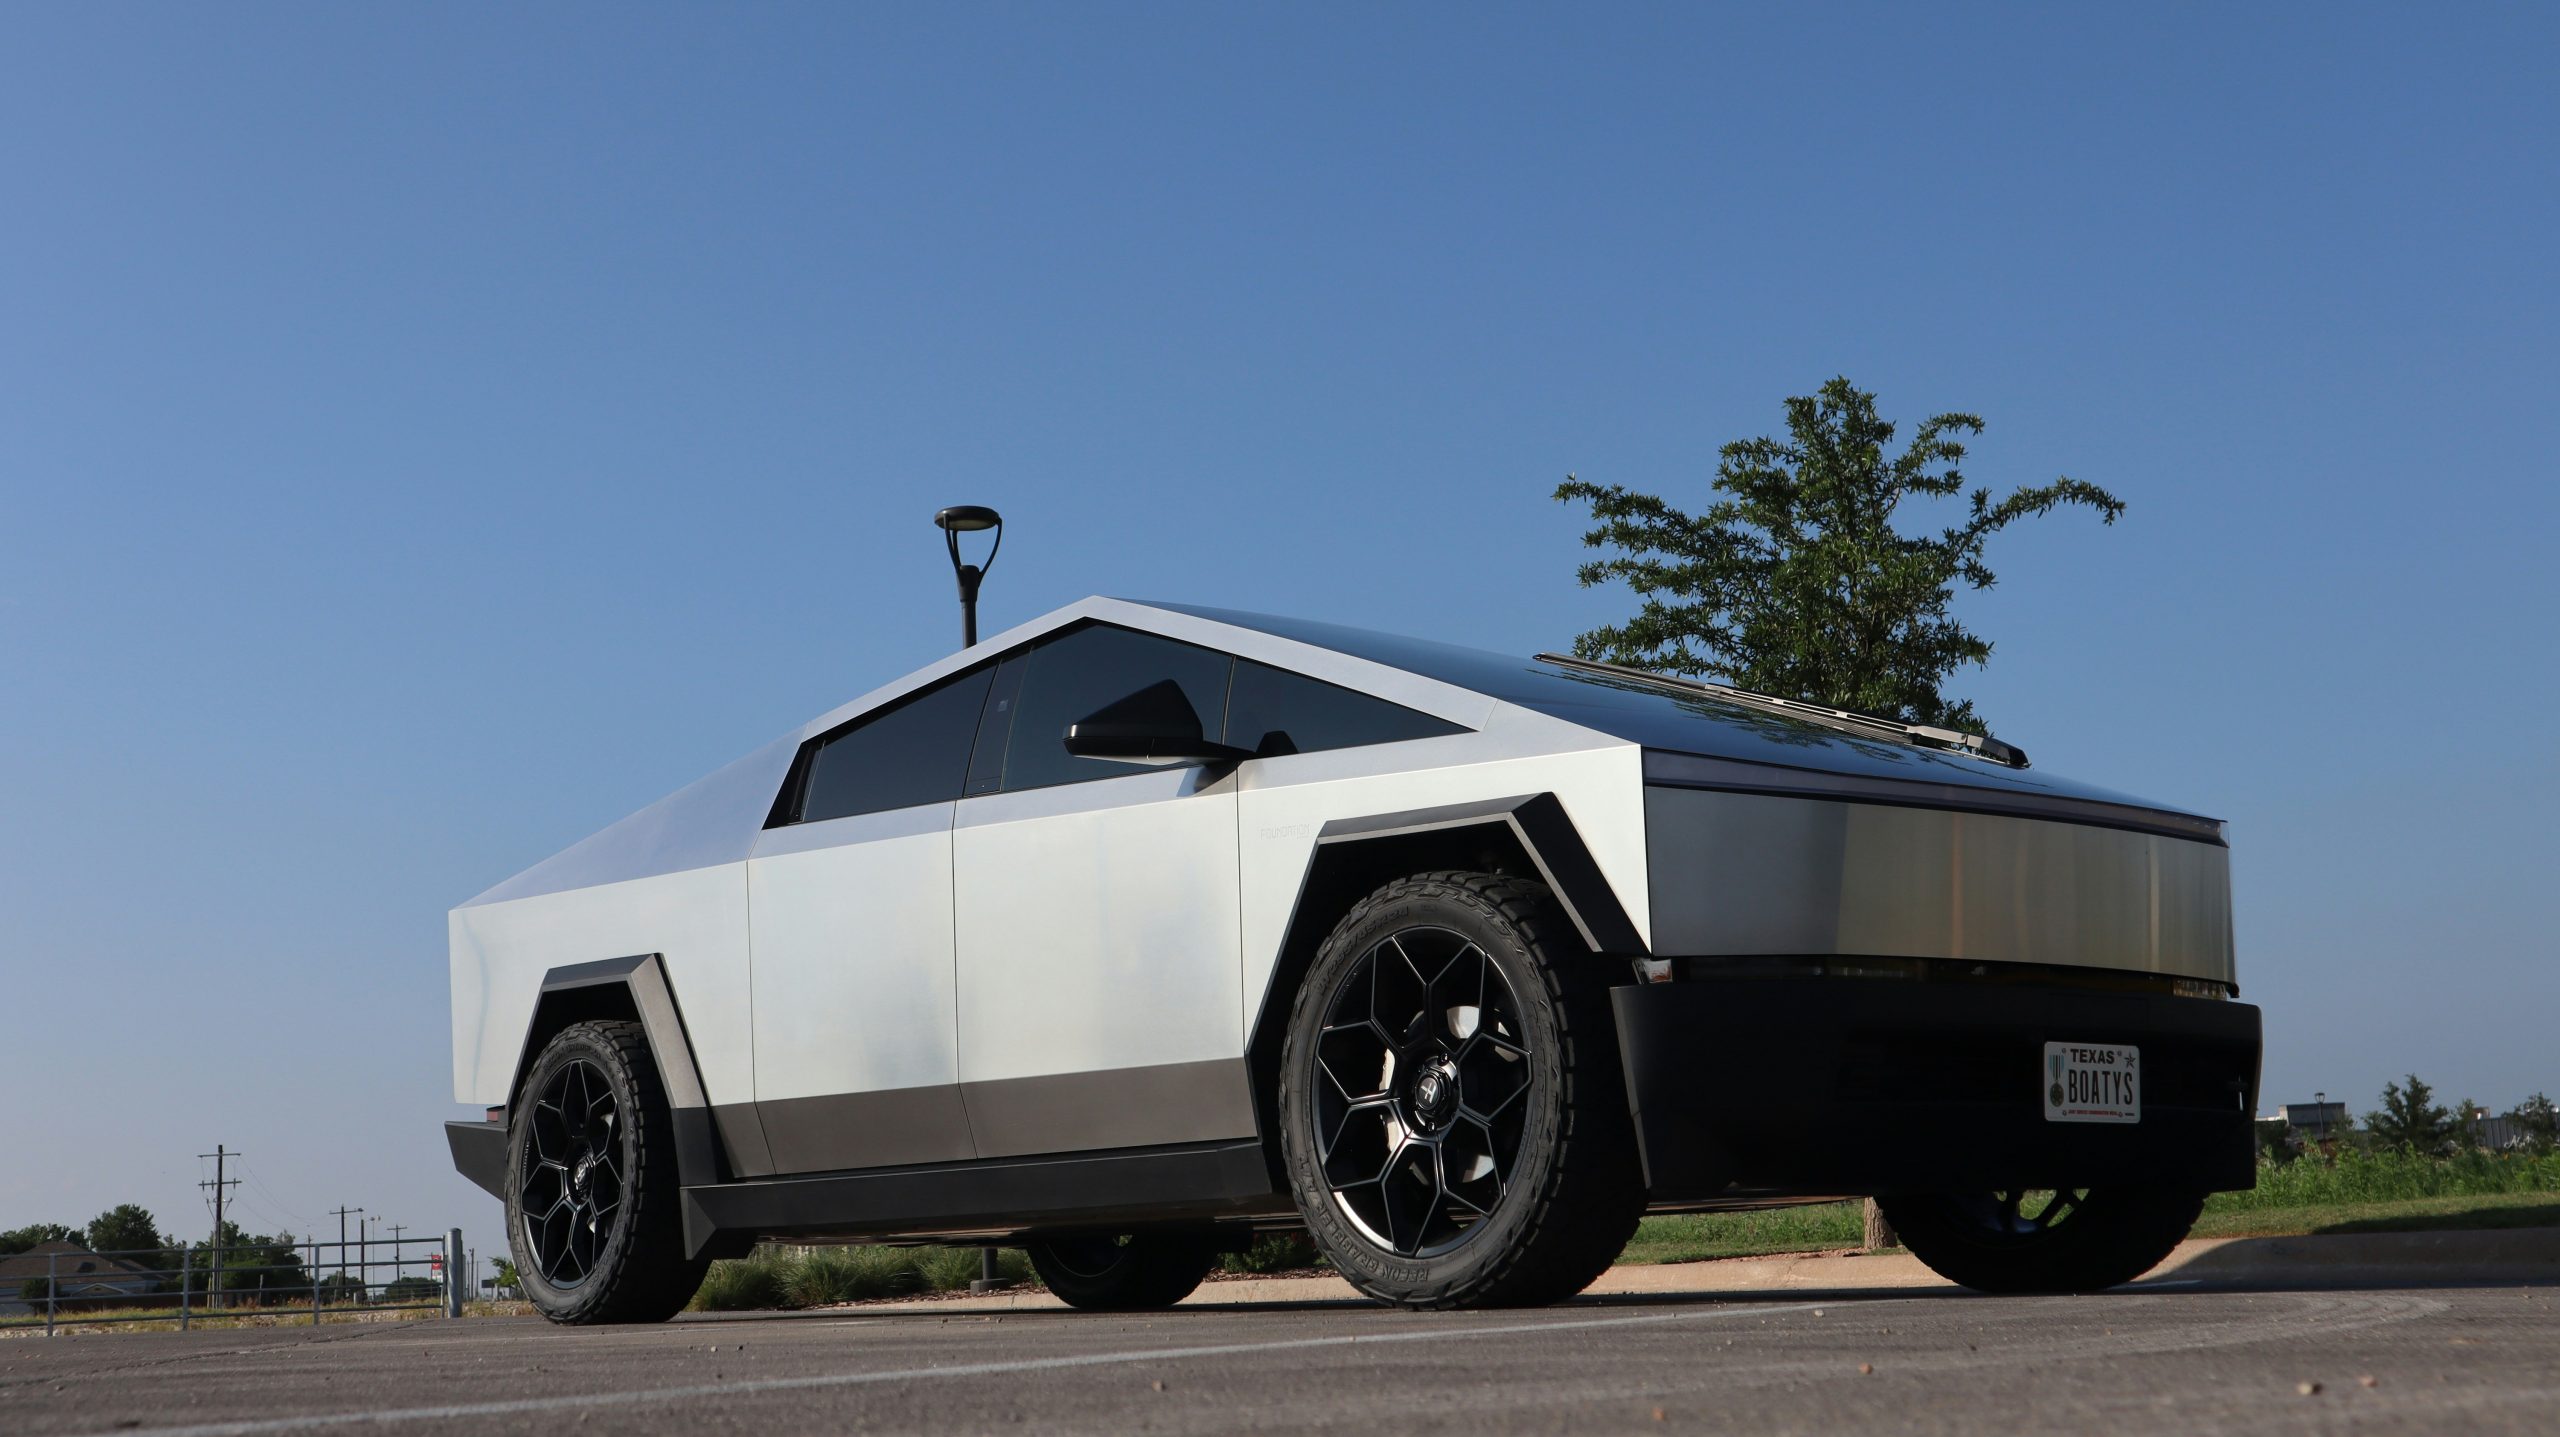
{"points": [[828, 1275], [945, 1269], [744, 1284]]}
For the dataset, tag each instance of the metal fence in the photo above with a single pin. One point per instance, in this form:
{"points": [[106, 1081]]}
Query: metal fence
{"points": [[351, 1278]]}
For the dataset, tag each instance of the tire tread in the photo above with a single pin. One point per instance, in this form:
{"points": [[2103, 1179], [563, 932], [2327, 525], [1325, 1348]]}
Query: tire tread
{"points": [[1592, 1196], [650, 1280]]}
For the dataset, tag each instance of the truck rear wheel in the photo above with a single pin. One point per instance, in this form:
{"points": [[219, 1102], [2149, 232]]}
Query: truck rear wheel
{"points": [[1124, 1272], [1452, 1114], [2043, 1241], [591, 1182]]}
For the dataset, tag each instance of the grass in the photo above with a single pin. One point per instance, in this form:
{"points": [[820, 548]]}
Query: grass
{"points": [[2359, 1178], [165, 1319], [1688, 1237], [2353, 1191], [2435, 1214]]}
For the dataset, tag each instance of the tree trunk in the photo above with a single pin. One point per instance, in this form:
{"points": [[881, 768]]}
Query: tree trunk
{"points": [[1879, 1232]]}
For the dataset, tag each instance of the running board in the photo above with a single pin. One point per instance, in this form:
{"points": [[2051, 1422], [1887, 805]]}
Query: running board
{"points": [[1000, 1195]]}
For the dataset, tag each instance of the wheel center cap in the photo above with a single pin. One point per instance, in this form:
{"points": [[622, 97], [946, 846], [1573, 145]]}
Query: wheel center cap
{"points": [[578, 1174], [1435, 1093]]}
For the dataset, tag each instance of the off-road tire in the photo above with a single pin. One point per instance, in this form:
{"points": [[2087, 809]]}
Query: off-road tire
{"points": [[1566, 1210], [639, 1272], [2112, 1237], [1130, 1272]]}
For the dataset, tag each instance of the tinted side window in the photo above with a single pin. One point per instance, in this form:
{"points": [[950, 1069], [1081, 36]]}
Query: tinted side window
{"points": [[995, 725], [1072, 675], [917, 752], [1272, 711]]}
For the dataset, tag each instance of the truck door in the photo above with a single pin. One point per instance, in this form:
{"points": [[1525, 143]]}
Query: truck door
{"points": [[1097, 915], [849, 912]]}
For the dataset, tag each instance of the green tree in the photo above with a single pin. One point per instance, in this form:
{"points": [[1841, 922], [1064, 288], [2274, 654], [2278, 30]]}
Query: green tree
{"points": [[269, 1268], [1797, 580], [506, 1273], [2540, 1122], [35, 1234], [2410, 1118], [412, 1289], [126, 1228], [254, 1263], [342, 1287]]}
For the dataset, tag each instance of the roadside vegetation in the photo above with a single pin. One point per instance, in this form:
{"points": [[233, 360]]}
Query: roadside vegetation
{"points": [[2349, 1189], [792, 1277], [796, 1277]]}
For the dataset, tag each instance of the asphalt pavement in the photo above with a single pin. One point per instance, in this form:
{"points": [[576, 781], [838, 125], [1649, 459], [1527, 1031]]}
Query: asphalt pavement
{"points": [[2182, 1356]]}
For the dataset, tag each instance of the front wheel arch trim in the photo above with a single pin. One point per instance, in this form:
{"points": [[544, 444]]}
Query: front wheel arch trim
{"points": [[636, 987], [1530, 835]]}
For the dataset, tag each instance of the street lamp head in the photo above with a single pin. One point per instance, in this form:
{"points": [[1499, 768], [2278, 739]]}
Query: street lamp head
{"points": [[962, 519], [968, 518]]}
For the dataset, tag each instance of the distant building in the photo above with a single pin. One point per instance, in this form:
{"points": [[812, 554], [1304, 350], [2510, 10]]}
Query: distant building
{"points": [[2315, 1121], [78, 1274], [2501, 1132]]}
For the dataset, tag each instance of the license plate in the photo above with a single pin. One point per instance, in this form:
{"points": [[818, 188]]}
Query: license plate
{"points": [[2092, 1083]]}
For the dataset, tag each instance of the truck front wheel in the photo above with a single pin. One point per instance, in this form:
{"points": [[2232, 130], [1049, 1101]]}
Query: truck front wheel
{"points": [[591, 1182], [1451, 1108], [2043, 1241]]}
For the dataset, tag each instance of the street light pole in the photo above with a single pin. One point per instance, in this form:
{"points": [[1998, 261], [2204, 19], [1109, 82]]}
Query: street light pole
{"points": [[955, 521]]}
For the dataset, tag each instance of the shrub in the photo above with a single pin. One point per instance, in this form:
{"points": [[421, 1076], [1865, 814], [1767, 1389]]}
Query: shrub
{"points": [[830, 1275], [946, 1268], [743, 1284], [2353, 1175], [342, 1287], [818, 1277], [1273, 1252]]}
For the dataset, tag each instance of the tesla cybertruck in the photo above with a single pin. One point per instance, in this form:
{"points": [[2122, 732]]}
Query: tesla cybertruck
{"points": [[1145, 927]]}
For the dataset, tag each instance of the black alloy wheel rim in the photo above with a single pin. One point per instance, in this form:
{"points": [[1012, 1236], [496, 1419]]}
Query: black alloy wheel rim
{"points": [[2017, 1215], [1421, 1091], [571, 1193]]}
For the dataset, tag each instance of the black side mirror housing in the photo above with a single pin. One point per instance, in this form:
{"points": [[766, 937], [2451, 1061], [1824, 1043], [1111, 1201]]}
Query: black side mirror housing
{"points": [[1155, 726]]}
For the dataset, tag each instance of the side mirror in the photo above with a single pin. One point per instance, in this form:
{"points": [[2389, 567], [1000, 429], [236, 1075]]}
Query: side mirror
{"points": [[1155, 726]]}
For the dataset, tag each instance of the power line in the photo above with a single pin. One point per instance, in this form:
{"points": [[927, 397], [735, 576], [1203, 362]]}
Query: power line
{"points": [[244, 1202], [260, 1184]]}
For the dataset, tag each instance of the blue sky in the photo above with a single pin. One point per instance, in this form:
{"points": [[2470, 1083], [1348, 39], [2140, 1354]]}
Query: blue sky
{"points": [[428, 434]]}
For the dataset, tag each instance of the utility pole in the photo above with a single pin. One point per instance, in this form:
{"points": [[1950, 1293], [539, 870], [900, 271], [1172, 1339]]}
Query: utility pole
{"points": [[221, 1157], [341, 1215], [398, 1270]]}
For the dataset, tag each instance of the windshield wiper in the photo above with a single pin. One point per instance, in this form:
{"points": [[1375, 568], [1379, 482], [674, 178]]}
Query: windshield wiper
{"points": [[1990, 750]]}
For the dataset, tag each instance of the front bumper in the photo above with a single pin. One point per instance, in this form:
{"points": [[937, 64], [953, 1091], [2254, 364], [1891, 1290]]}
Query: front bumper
{"points": [[1844, 1086]]}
